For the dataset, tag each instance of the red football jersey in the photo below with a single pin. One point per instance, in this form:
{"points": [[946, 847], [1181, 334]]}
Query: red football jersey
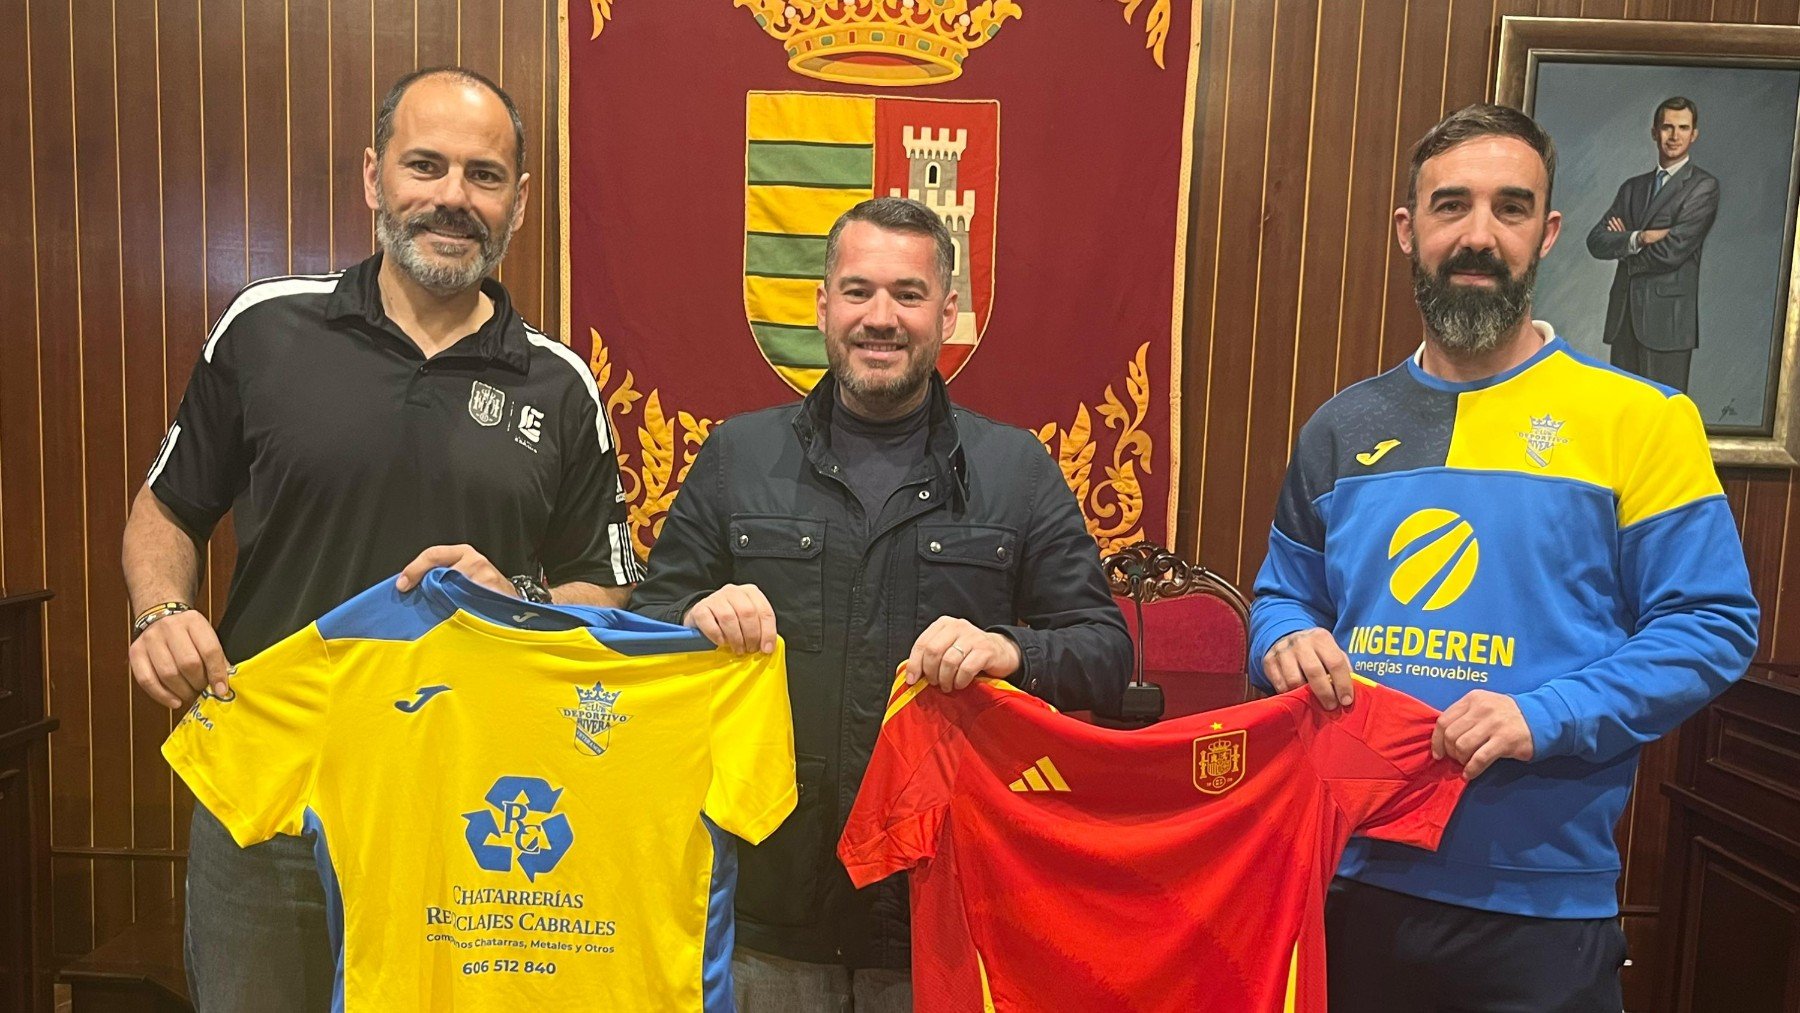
{"points": [[1061, 866]]}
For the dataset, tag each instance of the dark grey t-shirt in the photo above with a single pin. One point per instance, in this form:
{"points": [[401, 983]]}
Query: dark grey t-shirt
{"points": [[877, 456]]}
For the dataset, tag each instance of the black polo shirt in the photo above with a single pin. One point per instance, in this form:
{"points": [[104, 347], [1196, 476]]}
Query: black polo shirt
{"points": [[343, 452]]}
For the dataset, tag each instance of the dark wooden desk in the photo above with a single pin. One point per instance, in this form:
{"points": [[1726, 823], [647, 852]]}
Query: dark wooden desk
{"points": [[1731, 885], [25, 963], [137, 971]]}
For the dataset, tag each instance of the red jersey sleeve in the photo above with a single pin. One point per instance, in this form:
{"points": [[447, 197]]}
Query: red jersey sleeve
{"points": [[1375, 759], [905, 795]]}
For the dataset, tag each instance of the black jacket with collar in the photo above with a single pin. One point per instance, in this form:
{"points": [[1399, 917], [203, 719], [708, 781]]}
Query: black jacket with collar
{"points": [[984, 528]]}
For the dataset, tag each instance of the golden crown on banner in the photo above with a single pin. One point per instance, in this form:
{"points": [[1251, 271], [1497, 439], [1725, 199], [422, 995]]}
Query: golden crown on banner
{"points": [[881, 42]]}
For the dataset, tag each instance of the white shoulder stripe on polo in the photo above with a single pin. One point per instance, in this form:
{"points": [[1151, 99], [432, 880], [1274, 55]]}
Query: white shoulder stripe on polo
{"points": [[263, 291], [602, 431], [162, 456]]}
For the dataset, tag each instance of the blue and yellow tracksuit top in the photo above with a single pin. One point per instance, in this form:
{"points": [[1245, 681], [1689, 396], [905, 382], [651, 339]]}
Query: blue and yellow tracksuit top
{"points": [[1556, 533]]}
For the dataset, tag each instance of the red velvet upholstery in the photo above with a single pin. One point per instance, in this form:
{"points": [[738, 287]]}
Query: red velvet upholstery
{"points": [[1194, 648]]}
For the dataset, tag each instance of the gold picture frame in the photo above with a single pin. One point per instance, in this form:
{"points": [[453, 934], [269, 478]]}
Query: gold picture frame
{"points": [[1540, 61]]}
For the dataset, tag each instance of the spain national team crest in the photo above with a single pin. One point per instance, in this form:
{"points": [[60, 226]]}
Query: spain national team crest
{"points": [[595, 718], [1219, 762], [811, 157]]}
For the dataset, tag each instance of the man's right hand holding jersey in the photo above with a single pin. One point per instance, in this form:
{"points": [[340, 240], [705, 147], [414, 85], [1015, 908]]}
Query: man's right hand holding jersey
{"points": [[1311, 658], [737, 617], [176, 657]]}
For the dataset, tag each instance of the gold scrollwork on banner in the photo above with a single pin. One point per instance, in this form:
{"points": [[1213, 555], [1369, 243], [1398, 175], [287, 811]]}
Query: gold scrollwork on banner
{"points": [[1114, 506], [602, 13], [1156, 25], [650, 484]]}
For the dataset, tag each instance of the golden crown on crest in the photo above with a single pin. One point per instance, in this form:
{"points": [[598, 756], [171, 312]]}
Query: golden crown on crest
{"points": [[881, 42]]}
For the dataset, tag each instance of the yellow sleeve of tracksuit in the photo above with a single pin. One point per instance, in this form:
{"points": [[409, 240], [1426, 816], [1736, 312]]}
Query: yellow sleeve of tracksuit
{"points": [[1669, 466]]}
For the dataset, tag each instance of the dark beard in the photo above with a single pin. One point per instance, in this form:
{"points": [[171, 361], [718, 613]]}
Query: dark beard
{"points": [[881, 398], [1468, 319]]}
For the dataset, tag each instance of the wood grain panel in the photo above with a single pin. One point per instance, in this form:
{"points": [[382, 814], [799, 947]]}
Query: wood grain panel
{"points": [[21, 428], [59, 338], [1285, 183]]}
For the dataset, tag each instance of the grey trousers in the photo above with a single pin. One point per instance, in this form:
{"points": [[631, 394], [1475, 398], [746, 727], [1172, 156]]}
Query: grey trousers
{"points": [[764, 983], [255, 937]]}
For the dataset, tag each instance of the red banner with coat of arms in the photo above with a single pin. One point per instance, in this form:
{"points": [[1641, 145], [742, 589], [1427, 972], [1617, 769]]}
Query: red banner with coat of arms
{"points": [[708, 145]]}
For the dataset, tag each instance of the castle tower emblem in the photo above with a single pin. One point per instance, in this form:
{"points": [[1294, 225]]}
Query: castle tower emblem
{"points": [[811, 157]]}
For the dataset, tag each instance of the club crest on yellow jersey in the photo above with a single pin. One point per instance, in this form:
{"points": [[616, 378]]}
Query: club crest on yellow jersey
{"points": [[595, 718], [1543, 438]]}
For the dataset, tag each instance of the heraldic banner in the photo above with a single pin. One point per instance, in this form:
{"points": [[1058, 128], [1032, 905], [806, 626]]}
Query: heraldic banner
{"points": [[708, 145]]}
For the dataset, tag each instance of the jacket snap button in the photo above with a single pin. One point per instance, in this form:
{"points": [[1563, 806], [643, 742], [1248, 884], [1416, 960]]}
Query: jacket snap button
{"points": [[1001, 552], [743, 540], [806, 541], [936, 546], [924, 493]]}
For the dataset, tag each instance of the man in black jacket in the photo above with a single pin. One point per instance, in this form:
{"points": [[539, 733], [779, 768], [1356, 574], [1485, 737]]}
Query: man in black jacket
{"points": [[875, 522]]}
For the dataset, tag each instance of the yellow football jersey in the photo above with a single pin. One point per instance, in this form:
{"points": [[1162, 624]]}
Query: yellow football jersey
{"points": [[512, 804]]}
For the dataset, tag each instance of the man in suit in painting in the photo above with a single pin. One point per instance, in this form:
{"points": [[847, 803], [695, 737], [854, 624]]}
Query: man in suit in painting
{"points": [[1655, 230]]}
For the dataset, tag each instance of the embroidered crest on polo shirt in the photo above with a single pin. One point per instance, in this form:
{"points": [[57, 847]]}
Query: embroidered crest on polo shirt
{"points": [[486, 404]]}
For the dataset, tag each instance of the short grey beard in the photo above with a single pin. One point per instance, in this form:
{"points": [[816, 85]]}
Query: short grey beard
{"points": [[1472, 321], [396, 239]]}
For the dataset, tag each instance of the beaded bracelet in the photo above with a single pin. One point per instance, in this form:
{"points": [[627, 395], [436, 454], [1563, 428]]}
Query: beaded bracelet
{"points": [[155, 612]]}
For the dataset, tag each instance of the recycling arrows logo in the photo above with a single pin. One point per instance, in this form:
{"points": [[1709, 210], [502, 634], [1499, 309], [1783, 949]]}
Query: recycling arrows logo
{"points": [[521, 822]]}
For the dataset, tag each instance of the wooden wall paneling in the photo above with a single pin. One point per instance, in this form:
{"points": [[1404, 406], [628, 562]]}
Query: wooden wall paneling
{"points": [[437, 29], [1778, 12], [1249, 77], [1323, 260], [1205, 207], [520, 70], [60, 345], [21, 431], [141, 357], [310, 157], [1647, 10], [1765, 509], [98, 171], [395, 41], [1688, 10], [268, 173], [1784, 634], [226, 212], [480, 43], [1473, 37], [1372, 158], [1603, 8], [350, 94], [1734, 11], [1424, 65], [183, 198], [1559, 8], [1286, 185]]}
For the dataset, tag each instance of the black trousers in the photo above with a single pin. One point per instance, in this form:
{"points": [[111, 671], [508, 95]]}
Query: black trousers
{"points": [[1391, 953]]}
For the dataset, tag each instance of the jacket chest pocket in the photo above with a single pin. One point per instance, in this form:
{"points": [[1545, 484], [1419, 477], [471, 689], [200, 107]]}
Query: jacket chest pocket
{"points": [[785, 557], [967, 571]]}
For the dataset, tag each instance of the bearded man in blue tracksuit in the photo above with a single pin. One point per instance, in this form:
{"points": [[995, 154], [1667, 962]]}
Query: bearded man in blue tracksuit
{"points": [[1530, 540]]}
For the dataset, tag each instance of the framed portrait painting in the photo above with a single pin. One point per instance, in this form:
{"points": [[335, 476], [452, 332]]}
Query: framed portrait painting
{"points": [[1678, 165]]}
